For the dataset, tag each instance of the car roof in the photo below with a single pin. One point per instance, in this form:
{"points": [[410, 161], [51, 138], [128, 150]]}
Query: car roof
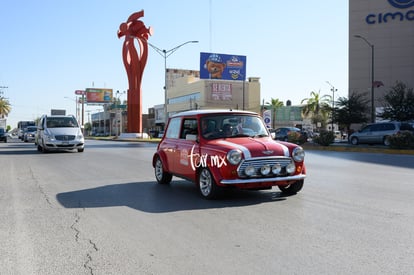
{"points": [[213, 111]]}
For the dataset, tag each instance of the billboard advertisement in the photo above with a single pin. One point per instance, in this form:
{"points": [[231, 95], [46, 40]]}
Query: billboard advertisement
{"points": [[221, 91], [97, 95], [222, 66]]}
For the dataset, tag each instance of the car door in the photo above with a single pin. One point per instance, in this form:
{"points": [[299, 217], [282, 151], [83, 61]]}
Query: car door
{"points": [[380, 131], [365, 135], [187, 148], [169, 143]]}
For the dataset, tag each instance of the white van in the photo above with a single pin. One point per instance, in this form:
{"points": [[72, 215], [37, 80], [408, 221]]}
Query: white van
{"points": [[59, 132]]}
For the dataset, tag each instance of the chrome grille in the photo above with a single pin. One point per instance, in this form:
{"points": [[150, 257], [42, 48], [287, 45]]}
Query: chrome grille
{"points": [[259, 162], [65, 137]]}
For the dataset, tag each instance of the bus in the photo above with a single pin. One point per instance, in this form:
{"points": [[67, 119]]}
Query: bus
{"points": [[21, 125]]}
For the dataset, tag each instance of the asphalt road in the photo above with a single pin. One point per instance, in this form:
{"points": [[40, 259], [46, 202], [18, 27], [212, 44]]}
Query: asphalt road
{"points": [[101, 212]]}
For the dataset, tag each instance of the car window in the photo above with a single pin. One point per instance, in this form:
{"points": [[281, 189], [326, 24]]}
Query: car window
{"points": [[377, 127], [389, 127], [406, 127], [367, 129], [230, 125], [173, 130], [189, 127]]}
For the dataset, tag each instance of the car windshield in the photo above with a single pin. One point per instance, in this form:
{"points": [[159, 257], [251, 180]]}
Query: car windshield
{"points": [[31, 129], [228, 126], [55, 122]]}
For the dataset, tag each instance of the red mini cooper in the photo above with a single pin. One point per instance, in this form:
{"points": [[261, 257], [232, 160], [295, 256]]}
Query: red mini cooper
{"points": [[216, 149]]}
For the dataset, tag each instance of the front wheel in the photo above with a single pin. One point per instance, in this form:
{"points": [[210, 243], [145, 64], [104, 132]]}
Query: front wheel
{"points": [[161, 175], [80, 150], [292, 188], [206, 184], [354, 141], [386, 141]]}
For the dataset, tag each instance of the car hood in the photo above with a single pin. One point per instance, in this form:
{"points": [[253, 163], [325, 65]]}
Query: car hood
{"points": [[68, 131], [253, 147]]}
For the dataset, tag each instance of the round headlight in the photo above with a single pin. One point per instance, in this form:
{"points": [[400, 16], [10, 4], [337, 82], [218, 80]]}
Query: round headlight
{"points": [[276, 168], [250, 171], [265, 170], [298, 154], [290, 168], [234, 157]]}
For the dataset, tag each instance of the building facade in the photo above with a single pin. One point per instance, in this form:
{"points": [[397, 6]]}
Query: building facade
{"points": [[381, 47]]}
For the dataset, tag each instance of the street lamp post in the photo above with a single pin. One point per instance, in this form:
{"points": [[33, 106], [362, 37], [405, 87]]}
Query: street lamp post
{"points": [[165, 54], [77, 106], [333, 103], [372, 76]]}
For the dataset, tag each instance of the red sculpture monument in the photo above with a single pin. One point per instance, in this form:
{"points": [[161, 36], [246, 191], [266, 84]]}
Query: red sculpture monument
{"points": [[134, 65]]}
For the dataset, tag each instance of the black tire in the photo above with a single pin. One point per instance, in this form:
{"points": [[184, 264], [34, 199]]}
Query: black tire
{"points": [[161, 176], [80, 150], [206, 184], [292, 188], [354, 141]]}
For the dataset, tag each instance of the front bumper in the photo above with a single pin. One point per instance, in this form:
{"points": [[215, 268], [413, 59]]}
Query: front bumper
{"points": [[264, 180], [62, 145]]}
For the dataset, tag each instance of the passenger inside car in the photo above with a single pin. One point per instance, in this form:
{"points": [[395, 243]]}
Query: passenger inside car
{"points": [[227, 130], [207, 128]]}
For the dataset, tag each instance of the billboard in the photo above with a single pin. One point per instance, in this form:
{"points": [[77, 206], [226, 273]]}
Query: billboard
{"points": [[222, 66], [97, 95]]}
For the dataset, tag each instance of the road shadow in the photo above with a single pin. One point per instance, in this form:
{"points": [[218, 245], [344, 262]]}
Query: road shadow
{"points": [[156, 198]]}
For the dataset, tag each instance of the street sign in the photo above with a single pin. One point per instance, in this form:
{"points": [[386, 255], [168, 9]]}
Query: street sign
{"points": [[79, 92], [267, 117]]}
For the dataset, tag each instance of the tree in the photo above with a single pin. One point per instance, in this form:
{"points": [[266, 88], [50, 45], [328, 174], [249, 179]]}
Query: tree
{"points": [[5, 107], [398, 103], [317, 107], [351, 110], [274, 103]]}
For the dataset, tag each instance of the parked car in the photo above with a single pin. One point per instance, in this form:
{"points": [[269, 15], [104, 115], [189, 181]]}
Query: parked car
{"points": [[29, 134], [283, 133], [378, 133], [219, 149], [3, 135], [59, 132]]}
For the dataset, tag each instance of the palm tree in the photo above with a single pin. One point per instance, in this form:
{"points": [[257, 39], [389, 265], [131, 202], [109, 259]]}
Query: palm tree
{"points": [[274, 103], [317, 107], [351, 110], [5, 107]]}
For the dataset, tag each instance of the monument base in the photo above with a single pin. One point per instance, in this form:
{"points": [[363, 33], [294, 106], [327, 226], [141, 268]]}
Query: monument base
{"points": [[133, 136]]}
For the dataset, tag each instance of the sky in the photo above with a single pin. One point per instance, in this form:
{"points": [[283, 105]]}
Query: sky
{"points": [[51, 48]]}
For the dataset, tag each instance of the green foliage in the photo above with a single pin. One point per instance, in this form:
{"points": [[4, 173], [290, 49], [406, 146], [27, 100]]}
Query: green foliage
{"points": [[325, 138], [351, 110], [402, 140], [5, 107], [399, 103], [295, 137], [317, 107]]}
